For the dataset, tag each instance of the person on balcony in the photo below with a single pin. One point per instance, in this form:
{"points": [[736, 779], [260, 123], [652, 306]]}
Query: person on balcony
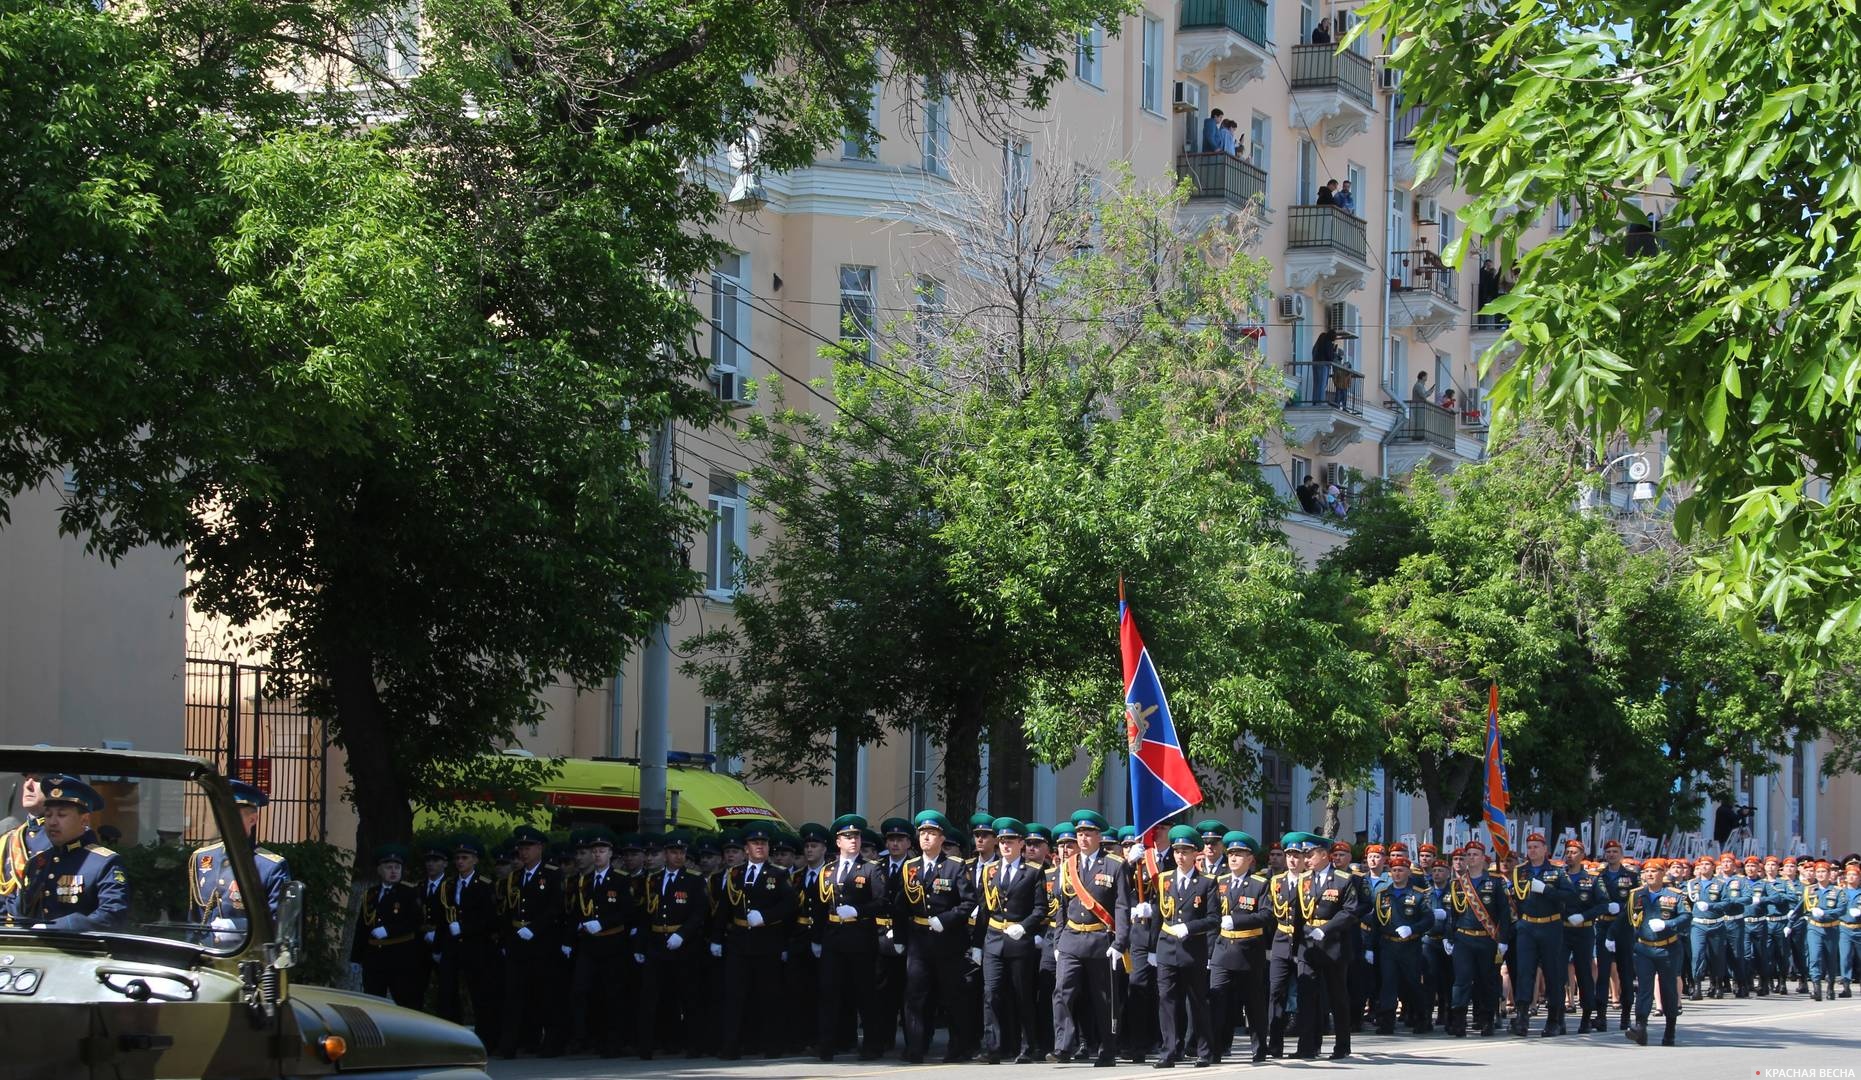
{"points": [[1231, 137], [1327, 194], [1321, 33], [1325, 353], [1449, 401], [1419, 392], [1211, 131], [1346, 201], [1309, 500]]}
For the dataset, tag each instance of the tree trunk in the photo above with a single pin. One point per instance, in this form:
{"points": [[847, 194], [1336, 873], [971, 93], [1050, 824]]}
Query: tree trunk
{"points": [[1442, 786], [384, 814], [1334, 804], [962, 762]]}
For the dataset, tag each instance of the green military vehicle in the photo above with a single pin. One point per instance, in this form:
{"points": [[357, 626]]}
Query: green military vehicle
{"points": [[97, 981]]}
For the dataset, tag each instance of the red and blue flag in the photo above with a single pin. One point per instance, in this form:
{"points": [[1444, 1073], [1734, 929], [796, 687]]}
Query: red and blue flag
{"points": [[1162, 784], [1498, 798]]}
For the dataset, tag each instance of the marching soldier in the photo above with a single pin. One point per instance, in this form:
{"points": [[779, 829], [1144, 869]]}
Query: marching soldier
{"points": [[1658, 918], [1437, 964], [1093, 923], [438, 862], [216, 901], [530, 925], [853, 893], [1823, 904], [1330, 902], [1065, 847], [1186, 913], [603, 914], [1711, 904], [893, 924], [1754, 951], [1776, 906], [1542, 889], [1587, 904], [1479, 916], [982, 838], [1038, 851], [387, 935], [1238, 968], [1850, 937], [1136, 988], [936, 903], [74, 883], [1613, 941], [1213, 858], [757, 901], [1738, 893], [468, 948], [801, 971], [671, 942], [1289, 934], [1796, 881], [1403, 914], [1010, 921]]}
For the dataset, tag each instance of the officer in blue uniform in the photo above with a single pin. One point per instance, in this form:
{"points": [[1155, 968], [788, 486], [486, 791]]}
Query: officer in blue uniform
{"points": [[20, 843], [1796, 880], [1543, 891], [1850, 919], [75, 883], [1614, 944], [1403, 912], [1479, 920], [1711, 904], [1658, 918], [1822, 903], [216, 900], [1589, 903], [1738, 890]]}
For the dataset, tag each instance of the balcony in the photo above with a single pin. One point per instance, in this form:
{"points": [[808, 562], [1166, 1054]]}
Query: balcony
{"points": [[1317, 410], [1425, 435], [1328, 247], [1231, 34], [1421, 293], [1222, 184], [1403, 162], [1332, 88]]}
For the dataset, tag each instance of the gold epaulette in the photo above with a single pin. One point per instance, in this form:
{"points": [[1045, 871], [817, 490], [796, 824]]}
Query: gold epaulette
{"points": [[272, 855], [98, 849]]}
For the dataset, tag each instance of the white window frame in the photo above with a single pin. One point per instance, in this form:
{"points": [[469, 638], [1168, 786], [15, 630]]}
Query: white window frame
{"points": [[1309, 177], [1396, 369], [862, 303], [1017, 175], [850, 150], [936, 142], [1089, 56], [721, 552], [1261, 150], [729, 766], [1154, 71], [390, 39], [730, 319]]}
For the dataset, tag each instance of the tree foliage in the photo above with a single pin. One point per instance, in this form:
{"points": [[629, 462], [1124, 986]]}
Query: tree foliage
{"points": [[1734, 338]]}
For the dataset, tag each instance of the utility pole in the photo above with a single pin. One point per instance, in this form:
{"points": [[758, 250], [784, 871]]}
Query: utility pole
{"points": [[656, 678]]}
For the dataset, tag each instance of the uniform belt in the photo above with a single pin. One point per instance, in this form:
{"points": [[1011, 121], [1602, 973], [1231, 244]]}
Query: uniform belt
{"points": [[1287, 928], [610, 931], [382, 943], [666, 928], [1662, 943], [1243, 935], [838, 919], [921, 920], [1083, 927], [1002, 924], [1474, 931], [1607, 918], [1397, 937], [1709, 922], [882, 921], [1829, 925], [1542, 920], [804, 920]]}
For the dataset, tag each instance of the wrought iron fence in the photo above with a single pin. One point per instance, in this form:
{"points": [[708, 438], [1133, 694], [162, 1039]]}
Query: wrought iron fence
{"points": [[236, 719], [1322, 67], [1316, 226], [1223, 176], [1247, 18]]}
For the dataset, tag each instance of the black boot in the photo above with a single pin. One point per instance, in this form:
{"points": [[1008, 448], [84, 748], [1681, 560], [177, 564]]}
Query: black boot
{"points": [[1829, 992], [1602, 1018], [1846, 991], [1802, 985], [1626, 1005], [1457, 1023], [1487, 1024], [1385, 1023], [1583, 1025], [1637, 1034], [1815, 992], [1553, 1021], [1667, 1039]]}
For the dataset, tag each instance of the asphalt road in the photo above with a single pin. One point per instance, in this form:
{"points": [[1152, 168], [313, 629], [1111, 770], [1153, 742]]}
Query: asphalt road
{"points": [[1790, 1037]]}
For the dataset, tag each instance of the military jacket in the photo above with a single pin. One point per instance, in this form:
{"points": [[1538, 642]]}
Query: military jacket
{"points": [[1394, 907], [1490, 893], [1711, 899], [1743, 893], [1827, 897], [216, 891], [941, 891], [1244, 902], [1615, 885], [1666, 905], [17, 848], [1090, 890], [1194, 904], [1011, 894], [473, 905], [674, 902], [398, 910], [75, 886], [534, 905], [772, 895], [610, 899], [1587, 897], [1551, 904]]}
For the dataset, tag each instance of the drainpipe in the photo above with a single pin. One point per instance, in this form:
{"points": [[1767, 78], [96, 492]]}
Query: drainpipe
{"points": [[1389, 198]]}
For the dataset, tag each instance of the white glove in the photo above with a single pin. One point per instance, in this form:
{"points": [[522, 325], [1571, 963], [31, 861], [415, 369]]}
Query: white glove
{"points": [[1787, 929], [1405, 932], [639, 958], [378, 933], [429, 937], [227, 924], [1112, 953], [1154, 962], [1318, 933], [975, 955], [1447, 947], [1814, 913], [1015, 931], [592, 926], [754, 918], [1657, 925], [673, 941], [1615, 908], [1227, 922], [1609, 943], [936, 924], [524, 933], [1039, 940], [1177, 931], [1369, 956], [568, 950], [847, 911], [1575, 920], [1854, 912], [717, 950], [1502, 949], [815, 947], [898, 949], [454, 928], [1702, 907], [1144, 910], [888, 936], [436, 958], [1440, 914], [1537, 885]]}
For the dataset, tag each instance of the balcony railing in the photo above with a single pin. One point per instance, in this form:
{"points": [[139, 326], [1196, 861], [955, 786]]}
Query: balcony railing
{"points": [[1319, 67], [1315, 386], [1421, 271], [1223, 176], [1406, 122], [1247, 18], [1327, 227], [1429, 423]]}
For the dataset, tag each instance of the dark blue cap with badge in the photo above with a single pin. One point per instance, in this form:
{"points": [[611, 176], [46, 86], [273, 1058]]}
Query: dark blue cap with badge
{"points": [[70, 791], [245, 794], [895, 826], [527, 834], [391, 853], [760, 830], [467, 844], [1089, 819], [813, 832]]}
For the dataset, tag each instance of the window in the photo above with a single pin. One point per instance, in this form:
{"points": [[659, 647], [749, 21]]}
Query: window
{"points": [[1301, 468], [1347, 21], [1153, 65], [1396, 369], [1355, 174], [936, 128], [1352, 346], [1260, 143], [858, 310], [1089, 56], [728, 536], [1308, 172], [1276, 798], [389, 42], [1798, 796], [1308, 19], [920, 766], [1398, 220], [730, 326], [1017, 172], [1302, 345], [1566, 215], [1195, 96], [927, 309], [857, 147], [715, 718], [1444, 376], [1448, 229]]}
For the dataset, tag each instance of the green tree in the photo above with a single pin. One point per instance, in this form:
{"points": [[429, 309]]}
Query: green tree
{"points": [[1730, 333], [946, 551], [382, 343]]}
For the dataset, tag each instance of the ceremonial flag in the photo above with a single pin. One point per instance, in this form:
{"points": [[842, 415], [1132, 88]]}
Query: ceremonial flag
{"points": [[1162, 784], [1497, 799]]}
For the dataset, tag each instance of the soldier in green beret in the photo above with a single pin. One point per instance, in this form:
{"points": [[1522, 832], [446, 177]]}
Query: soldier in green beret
{"points": [[387, 935], [801, 969], [848, 939], [1186, 913], [1238, 968], [605, 913], [758, 901], [1092, 917], [983, 842], [936, 903], [1010, 925]]}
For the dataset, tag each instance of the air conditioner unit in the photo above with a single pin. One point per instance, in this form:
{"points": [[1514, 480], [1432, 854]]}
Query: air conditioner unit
{"points": [[727, 383], [1185, 97], [1428, 211], [1338, 316], [1338, 474], [1388, 77], [1292, 306]]}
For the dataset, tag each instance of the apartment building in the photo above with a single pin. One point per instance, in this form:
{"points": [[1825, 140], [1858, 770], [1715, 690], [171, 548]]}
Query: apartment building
{"points": [[833, 241]]}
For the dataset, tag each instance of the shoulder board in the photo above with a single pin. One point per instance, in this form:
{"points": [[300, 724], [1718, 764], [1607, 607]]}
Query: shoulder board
{"points": [[272, 855], [1356, 873], [98, 849], [1052, 870], [1258, 877], [215, 846], [1114, 858]]}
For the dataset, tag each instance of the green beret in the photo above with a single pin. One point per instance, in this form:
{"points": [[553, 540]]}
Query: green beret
{"points": [[1037, 831], [786, 841], [652, 841], [1185, 836], [1064, 831], [391, 853], [437, 850], [1238, 840], [676, 840], [599, 836], [1126, 834], [1303, 841], [1211, 829], [759, 830], [631, 841], [1089, 819], [981, 822], [849, 823], [1008, 827], [895, 826], [932, 819]]}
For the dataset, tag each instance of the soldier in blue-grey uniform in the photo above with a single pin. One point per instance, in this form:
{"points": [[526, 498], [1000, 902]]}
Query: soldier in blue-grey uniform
{"points": [[1403, 912], [1613, 941], [1658, 919], [1543, 891], [21, 842], [1706, 932], [1588, 904], [75, 883], [1480, 927], [216, 900]]}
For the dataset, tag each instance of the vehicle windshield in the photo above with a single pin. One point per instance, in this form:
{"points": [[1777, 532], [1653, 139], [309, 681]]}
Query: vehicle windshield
{"points": [[117, 854]]}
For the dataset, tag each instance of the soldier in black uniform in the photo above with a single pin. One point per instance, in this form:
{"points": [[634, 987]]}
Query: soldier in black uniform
{"points": [[982, 840], [604, 913], [1238, 968], [1038, 850], [387, 935], [1186, 903], [1137, 1011], [671, 944], [438, 861], [75, 883], [758, 901], [1093, 921], [936, 903], [468, 948], [853, 894], [889, 982], [801, 971], [1011, 917], [531, 929], [1288, 939], [1331, 903]]}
